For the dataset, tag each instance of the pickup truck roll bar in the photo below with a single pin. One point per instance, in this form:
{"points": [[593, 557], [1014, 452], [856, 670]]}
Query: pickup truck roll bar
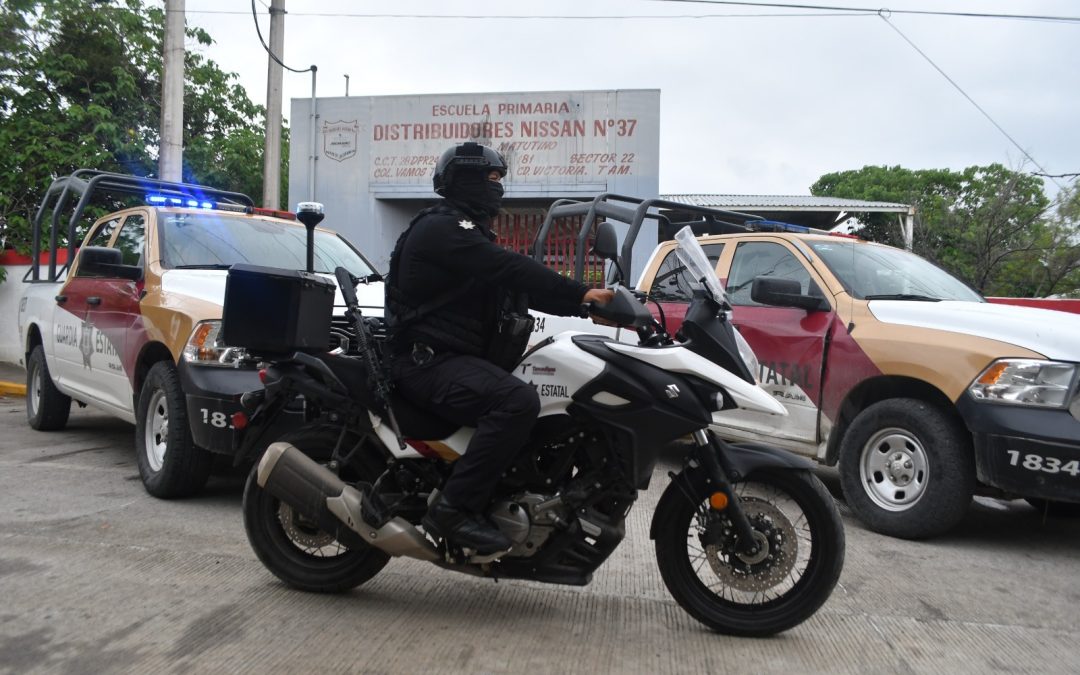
{"points": [[633, 211], [89, 183]]}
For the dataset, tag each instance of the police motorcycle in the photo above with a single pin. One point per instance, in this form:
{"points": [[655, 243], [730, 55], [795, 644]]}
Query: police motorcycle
{"points": [[747, 539]]}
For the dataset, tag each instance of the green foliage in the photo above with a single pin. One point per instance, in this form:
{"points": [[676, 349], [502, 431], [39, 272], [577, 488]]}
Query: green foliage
{"points": [[930, 191], [988, 225], [80, 87]]}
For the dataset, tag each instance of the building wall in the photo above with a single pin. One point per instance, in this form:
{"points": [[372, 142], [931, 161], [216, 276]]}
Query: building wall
{"points": [[373, 156]]}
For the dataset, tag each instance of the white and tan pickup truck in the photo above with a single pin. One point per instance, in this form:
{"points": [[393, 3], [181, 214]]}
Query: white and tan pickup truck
{"points": [[921, 391], [132, 324]]}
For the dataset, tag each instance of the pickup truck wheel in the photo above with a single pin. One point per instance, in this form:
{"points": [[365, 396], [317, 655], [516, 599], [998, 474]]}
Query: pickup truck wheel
{"points": [[170, 464], [906, 469], [46, 408]]}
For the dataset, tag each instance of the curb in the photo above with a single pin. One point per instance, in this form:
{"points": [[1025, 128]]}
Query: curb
{"points": [[12, 389]]}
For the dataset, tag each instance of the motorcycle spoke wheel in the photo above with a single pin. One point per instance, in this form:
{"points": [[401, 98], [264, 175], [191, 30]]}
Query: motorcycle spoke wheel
{"points": [[801, 552], [296, 550]]}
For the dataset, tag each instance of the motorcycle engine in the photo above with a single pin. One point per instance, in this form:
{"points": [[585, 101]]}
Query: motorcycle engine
{"points": [[528, 519]]}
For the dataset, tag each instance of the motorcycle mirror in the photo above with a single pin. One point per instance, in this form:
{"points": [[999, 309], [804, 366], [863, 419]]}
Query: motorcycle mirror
{"points": [[606, 245]]}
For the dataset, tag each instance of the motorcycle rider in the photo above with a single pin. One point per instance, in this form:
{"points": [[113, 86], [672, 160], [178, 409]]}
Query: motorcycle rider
{"points": [[457, 307]]}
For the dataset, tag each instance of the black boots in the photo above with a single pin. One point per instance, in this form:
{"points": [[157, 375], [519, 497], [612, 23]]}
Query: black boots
{"points": [[467, 530]]}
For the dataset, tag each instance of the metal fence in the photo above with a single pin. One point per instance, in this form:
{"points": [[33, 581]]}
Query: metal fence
{"points": [[516, 231]]}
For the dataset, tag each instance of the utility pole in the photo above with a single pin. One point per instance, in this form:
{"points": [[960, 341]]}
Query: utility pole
{"points": [[171, 149], [272, 150]]}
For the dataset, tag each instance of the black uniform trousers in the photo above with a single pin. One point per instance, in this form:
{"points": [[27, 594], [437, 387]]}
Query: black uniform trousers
{"points": [[473, 392]]}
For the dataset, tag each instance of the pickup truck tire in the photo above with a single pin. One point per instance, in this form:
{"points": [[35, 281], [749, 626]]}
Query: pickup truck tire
{"points": [[46, 408], [906, 469], [170, 464]]}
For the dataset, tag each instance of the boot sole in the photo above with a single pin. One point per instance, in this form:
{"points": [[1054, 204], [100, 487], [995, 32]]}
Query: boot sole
{"points": [[432, 528]]}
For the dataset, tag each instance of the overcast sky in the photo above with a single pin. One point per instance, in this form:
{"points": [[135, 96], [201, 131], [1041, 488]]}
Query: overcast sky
{"points": [[753, 100]]}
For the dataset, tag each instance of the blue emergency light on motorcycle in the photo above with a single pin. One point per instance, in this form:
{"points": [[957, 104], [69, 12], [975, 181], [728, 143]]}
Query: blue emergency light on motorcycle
{"points": [[165, 200]]}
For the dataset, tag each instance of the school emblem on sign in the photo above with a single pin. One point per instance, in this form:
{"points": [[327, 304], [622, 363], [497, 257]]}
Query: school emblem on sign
{"points": [[339, 139]]}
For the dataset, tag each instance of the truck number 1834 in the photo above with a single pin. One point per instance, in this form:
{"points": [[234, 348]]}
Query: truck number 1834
{"points": [[1033, 462]]}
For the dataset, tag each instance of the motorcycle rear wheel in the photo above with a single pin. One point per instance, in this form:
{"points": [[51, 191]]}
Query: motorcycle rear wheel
{"points": [[297, 551], [802, 540]]}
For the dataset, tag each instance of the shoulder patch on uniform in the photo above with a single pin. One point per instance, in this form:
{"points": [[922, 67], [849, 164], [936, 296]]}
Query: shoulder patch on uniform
{"points": [[466, 224]]}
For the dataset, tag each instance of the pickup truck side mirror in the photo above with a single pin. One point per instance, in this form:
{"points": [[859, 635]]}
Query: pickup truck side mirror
{"points": [[102, 261], [784, 293]]}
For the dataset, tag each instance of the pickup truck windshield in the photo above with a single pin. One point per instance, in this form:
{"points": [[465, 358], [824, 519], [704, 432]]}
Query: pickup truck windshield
{"points": [[882, 272], [214, 241]]}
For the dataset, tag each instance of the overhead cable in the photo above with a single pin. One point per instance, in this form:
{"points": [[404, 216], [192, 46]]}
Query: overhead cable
{"points": [[273, 56], [872, 10], [958, 88]]}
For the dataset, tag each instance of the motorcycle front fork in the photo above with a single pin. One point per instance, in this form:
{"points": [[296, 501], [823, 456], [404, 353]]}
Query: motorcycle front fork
{"points": [[709, 454]]}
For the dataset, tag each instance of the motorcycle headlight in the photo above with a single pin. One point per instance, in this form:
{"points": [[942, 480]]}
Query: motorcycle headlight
{"points": [[1046, 384], [205, 347]]}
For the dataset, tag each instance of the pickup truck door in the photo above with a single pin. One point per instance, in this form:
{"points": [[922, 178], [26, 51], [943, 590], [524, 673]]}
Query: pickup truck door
{"points": [[789, 342], [71, 340], [115, 317], [108, 307]]}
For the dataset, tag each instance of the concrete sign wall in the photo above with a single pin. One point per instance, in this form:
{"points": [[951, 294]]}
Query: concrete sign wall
{"points": [[373, 156]]}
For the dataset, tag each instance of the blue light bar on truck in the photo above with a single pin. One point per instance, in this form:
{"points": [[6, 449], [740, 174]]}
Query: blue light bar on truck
{"points": [[190, 202], [777, 226]]}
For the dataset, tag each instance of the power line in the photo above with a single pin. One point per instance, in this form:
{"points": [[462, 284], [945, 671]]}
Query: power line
{"points": [[534, 17], [273, 56], [885, 18], [869, 10]]}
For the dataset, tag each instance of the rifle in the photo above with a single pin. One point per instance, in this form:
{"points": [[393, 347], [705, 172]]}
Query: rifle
{"points": [[347, 283]]}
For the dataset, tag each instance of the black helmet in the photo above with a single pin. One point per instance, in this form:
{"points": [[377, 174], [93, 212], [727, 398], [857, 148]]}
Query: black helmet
{"points": [[468, 155]]}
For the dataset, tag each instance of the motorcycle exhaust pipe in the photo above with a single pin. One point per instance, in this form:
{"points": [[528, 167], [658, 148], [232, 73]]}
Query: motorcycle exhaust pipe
{"points": [[316, 493]]}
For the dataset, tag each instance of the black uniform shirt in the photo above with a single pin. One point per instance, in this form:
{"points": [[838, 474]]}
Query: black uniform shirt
{"points": [[442, 252]]}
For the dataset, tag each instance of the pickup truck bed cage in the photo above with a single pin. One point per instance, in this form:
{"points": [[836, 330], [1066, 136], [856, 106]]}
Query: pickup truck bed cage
{"points": [[634, 211], [87, 184]]}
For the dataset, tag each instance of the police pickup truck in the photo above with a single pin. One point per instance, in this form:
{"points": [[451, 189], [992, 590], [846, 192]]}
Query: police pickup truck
{"points": [[921, 392], [130, 323]]}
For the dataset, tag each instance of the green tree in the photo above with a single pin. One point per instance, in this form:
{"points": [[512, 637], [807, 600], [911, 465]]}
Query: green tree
{"points": [[988, 225], [997, 221], [930, 191], [80, 87], [1052, 266]]}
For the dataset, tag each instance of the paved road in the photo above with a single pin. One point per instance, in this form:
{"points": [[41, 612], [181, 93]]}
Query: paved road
{"points": [[96, 576]]}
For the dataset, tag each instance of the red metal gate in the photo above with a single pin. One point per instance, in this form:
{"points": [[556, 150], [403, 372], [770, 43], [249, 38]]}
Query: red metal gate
{"points": [[517, 229]]}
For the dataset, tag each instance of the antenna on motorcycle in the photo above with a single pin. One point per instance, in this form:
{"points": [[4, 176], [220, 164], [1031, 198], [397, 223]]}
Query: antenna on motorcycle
{"points": [[310, 214]]}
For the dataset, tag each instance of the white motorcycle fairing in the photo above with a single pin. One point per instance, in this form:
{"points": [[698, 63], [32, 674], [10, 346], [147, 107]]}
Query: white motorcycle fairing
{"points": [[678, 359], [559, 369]]}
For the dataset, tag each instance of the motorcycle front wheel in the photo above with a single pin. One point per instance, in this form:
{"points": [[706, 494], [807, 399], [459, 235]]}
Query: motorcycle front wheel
{"points": [[294, 549], [800, 537]]}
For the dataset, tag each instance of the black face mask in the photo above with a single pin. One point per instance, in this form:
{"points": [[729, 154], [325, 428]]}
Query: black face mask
{"points": [[476, 191]]}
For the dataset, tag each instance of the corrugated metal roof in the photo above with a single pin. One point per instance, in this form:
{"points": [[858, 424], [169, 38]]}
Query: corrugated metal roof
{"points": [[784, 203]]}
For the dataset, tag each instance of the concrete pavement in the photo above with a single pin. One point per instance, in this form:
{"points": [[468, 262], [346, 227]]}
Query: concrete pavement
{"points": [[97, 576]]}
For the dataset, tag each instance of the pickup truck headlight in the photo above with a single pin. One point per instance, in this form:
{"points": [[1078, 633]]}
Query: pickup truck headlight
{"points": [[205, 347], [1047, 384]]}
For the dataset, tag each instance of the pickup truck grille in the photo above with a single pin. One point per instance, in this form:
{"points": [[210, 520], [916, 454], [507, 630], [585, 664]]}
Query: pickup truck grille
{"points": [[342, 334]]}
